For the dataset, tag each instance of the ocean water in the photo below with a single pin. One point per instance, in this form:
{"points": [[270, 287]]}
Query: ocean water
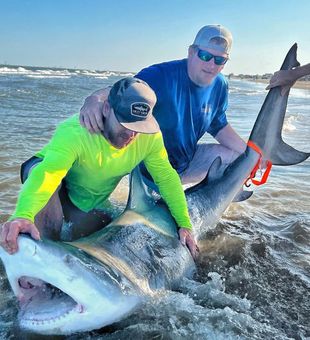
{"points": [[253, 278]]}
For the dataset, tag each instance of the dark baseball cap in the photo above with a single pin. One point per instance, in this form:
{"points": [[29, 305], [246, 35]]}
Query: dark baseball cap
{"points": [[133, 101]]}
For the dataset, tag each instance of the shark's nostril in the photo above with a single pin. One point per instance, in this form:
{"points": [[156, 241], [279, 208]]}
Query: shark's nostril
{"points": [[80, 308]]}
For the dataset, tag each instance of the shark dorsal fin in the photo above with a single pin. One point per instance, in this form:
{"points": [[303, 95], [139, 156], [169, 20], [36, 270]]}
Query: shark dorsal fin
{"points": [[139, 199]]}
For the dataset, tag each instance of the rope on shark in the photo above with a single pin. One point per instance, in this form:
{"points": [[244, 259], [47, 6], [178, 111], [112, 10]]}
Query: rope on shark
{"points": [[265, 173]]}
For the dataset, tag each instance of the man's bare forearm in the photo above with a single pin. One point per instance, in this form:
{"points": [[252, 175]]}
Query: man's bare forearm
{"points": [[301, 71], [228, 137]]}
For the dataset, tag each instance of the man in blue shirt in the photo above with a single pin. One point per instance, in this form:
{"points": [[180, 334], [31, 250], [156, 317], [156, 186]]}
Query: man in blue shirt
{"points": [[192, 98]]}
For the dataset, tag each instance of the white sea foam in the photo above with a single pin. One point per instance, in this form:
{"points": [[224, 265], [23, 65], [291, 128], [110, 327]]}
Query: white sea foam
{"points": [[11, 70], [60, 73], [102, 77], [288, 123], [42, 76]]}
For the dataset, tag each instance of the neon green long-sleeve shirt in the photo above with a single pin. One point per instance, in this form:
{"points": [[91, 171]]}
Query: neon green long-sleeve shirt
{"points": [[92, 168]]}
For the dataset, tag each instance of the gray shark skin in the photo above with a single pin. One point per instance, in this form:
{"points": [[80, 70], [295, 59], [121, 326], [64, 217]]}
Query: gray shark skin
{"points": [[68, 287]]}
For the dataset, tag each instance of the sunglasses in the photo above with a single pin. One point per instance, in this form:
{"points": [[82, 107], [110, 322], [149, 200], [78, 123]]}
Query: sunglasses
{"points": [[207, 56]]}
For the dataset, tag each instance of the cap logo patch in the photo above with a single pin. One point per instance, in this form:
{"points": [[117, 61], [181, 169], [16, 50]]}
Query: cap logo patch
{"points": [[140, 109]]}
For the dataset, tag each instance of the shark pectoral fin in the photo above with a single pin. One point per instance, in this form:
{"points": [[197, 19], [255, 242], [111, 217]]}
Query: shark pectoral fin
{"points": [[215, 171], [242, 195], [284, 154], [139, 199]]}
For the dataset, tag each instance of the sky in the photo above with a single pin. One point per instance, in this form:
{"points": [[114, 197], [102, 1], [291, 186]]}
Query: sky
{"points": [[129, 35]]}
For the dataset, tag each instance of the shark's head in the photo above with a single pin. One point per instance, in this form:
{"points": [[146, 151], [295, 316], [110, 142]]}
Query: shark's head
{"points": [[94, 281], [62, 289]]}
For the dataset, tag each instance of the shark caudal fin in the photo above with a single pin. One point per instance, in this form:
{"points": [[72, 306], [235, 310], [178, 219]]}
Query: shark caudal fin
{"points": [[290, 60], [139, 199], [266, 133], [284, 154]]}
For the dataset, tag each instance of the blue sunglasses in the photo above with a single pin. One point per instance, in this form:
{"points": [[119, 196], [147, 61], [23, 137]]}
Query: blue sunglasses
{"points": [[207, 56]]}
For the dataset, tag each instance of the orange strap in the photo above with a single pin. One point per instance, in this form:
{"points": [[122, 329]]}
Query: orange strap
{"points": [[253, 172]]}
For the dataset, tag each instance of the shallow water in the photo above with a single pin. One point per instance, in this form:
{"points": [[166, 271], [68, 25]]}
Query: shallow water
{"points": [[253, 279]]}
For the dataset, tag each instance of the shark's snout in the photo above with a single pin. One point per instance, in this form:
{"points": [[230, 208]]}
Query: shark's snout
{"points": [[61, 294]]}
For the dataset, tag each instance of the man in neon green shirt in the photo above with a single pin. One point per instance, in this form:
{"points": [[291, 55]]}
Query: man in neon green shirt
{"points": [[92, 166]]}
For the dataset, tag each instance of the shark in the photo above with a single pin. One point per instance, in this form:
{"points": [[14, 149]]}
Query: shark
{"points": [[68, 287]]}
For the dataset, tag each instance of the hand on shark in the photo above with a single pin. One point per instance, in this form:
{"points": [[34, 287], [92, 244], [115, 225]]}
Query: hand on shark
{"points": [[187, 239], [281, 78], [287, 77], [10, 231]]}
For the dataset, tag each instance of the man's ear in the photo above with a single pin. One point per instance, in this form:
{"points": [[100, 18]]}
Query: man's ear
{"points": [[106, 108], [191, 51]]}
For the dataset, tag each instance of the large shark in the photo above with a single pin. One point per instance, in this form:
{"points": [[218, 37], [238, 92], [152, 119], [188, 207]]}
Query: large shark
{"points": [[67, 287]]}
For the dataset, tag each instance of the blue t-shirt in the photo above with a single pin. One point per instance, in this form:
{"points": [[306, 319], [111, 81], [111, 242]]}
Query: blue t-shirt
{"points": [[184, 110]]}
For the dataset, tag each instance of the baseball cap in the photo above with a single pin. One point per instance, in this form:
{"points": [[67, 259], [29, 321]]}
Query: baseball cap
{"points": [[207, 33], [133, 101]]}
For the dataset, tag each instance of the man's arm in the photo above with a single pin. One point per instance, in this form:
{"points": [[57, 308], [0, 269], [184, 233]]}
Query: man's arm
{"points": [[229, 138], [91, 112], [170, 187], [35, 194], [287, 78], [42, 182]]}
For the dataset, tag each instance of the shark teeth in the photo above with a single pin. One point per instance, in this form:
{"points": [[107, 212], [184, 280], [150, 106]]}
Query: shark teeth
{"points": [[41, 322], [42, 303]]}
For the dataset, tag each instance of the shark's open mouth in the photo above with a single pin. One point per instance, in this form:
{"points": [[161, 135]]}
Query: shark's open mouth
{"points": [[41, 302]]}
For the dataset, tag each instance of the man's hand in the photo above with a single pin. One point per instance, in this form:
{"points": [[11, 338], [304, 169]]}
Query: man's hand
{"points": [[91, 114], [187, 239], [10, 231], [283, 78]]}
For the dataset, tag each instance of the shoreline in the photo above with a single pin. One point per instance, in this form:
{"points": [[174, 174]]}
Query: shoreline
{"points": [[303, 85]]}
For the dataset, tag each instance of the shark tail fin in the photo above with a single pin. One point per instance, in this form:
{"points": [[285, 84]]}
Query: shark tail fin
{"points": [[284, 154], [267, 130], [291, 61]]}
